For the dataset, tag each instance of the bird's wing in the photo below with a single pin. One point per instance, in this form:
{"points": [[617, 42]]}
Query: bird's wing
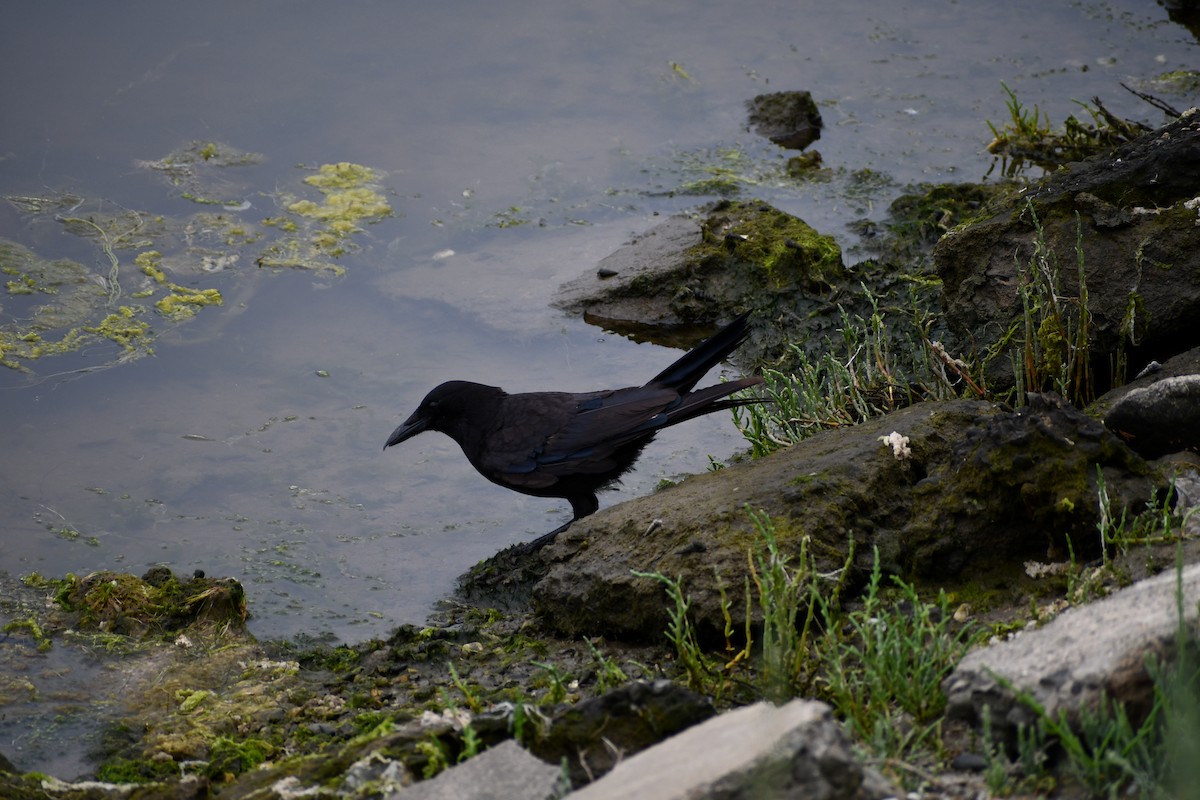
{"points": [[573, 434]]}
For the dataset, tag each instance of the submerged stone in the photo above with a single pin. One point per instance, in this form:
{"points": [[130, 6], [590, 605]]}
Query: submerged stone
{"points": [[789, 119]]}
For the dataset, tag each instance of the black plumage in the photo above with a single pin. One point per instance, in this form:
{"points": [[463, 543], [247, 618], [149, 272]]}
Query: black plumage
{"points": [[560, 444]]}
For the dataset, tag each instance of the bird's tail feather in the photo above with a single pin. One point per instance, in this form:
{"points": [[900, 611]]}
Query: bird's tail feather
{"points": [[685, 373], [713, 398]]}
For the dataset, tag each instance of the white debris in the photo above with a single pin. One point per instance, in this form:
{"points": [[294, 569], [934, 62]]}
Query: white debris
{"points": [[899, 445]]}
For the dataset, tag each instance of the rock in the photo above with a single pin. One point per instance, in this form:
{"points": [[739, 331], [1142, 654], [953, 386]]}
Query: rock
{"points": [[1133, 214], [759, 751], [594, 734], [982, 484], [1160, 419], [693, 270], [1084, 653], [789, 119], [505, 772], [374, 771], [1017, 481], [1158, 413]]}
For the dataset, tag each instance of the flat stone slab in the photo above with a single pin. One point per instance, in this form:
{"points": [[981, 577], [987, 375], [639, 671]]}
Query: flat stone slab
{"points": [[610, 290], [759, 751], [1099, 648], [504, 772]]}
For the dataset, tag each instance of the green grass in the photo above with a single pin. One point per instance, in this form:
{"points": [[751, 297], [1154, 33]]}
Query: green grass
{"points": [[859, 375], [883, 362], [884, 664], [879, 666], [1028, 137], [1056, 352], [881, 663]]}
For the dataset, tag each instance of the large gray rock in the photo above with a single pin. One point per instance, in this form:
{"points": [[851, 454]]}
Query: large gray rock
{"points": [[1161, 418], [1087, 651], [505, 772], [759, 751]]}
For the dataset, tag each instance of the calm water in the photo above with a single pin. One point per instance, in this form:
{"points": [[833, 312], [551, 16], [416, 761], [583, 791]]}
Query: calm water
{"points": [[227, 452]]}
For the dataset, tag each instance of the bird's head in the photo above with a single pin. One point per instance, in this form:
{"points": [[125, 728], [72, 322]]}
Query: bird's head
{"points": [[445, 409]]}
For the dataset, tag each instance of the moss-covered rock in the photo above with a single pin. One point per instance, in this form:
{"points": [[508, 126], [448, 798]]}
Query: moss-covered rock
{"points": [[156, 603], [976, 488], [1126, 221], [693, 270]]}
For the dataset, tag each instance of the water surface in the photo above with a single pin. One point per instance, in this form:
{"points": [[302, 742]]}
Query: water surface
{"points": [[519, 143]]}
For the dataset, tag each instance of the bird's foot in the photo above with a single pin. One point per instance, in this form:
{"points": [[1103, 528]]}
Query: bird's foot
{"points": [[545, 539]]}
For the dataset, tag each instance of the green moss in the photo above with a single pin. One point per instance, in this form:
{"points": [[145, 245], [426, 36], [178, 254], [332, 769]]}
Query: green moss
{"points": [[126, 770], [126, 604], [919, 219], [191, 699], [229, 757], [806, 165], [787, 249]]}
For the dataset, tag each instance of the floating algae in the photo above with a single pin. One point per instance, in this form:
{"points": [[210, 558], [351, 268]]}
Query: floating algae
{"points": [[198, 170], [149, 264], [351, 197]]}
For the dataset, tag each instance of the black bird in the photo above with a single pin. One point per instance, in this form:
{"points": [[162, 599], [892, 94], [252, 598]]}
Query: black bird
{"points": [[558, 444]]}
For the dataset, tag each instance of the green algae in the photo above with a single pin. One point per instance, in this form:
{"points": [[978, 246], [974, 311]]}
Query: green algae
{"points": [[122, 327], [200, 171], [156, 271], [183, 302], [72, 299], [351, 196]]}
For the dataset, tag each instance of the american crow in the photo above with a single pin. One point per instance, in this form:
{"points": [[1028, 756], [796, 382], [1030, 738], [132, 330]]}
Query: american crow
{"points": [[557, 444]]}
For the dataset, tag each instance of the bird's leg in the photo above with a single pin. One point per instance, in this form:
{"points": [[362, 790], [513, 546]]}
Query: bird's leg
{"points": [[581, 506], [546, 538]]}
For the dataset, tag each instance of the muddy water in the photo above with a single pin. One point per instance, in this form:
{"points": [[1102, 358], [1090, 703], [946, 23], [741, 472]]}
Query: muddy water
{"points": [[518, 143]]}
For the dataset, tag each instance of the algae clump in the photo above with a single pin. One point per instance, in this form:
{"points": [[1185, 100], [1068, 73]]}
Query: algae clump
{"points": [[51, 307], [350, 197]]}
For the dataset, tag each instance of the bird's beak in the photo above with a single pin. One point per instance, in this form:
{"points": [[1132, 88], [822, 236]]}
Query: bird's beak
{"points": [[410, 428]]}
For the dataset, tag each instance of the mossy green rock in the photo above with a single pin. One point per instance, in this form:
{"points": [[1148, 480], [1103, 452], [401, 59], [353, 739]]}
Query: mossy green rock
{"points": [[981, 488], [1130, 215], [693, 270]]}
